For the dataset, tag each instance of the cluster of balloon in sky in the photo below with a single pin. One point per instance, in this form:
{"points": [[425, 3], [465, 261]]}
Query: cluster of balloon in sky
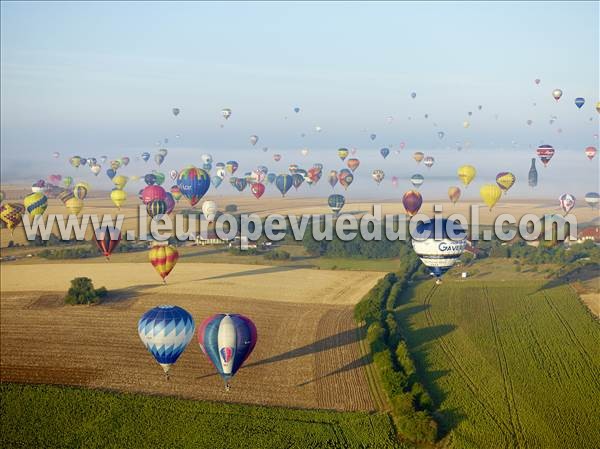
{"points": [[226, 339]]}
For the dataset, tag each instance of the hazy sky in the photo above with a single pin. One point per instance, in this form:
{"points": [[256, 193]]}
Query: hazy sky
{"points": [[101, 78]]}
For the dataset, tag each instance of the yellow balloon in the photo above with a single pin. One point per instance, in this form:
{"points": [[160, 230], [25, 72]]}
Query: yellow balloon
{"points": [[454, 194], [598, 107], [490, 194], [505, 181], [119, 181], [418, 156], [74, 205], [466, 124], [35, 203], [118, 197], [466, 174]]}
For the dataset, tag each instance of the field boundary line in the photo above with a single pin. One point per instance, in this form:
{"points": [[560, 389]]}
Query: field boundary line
{"points": [[471, 385]]}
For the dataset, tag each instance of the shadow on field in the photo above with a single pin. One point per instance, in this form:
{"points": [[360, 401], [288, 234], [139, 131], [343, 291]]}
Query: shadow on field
{"points": [[202, 252], [418, 341], [124, 297], [580, 274], [259, 271], [364, 360], [331, 342]]}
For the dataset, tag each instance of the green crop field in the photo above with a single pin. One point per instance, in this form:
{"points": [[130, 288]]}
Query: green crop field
{"points": [[60, 417], [512, 364]]}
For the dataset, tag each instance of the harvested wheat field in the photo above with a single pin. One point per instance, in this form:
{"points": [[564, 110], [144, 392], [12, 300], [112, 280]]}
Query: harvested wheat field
{"points": [[274, 283], [307, 354]]}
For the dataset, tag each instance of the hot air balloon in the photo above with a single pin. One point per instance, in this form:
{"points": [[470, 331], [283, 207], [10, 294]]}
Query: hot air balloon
{"points": [[505, 180], [163, 258], [80, 190], [490, 194], [454, 194], [537, 81], [95, 169], [466, 174], [118, 197], [176, 111], [428, 161], [353, 164], [296, 110], [412, 201], [120, 181], [107, 239], [532, 178], [173, 174], [151, 193], [333, 178], [345, 178], [378, 176], [297, 180], [417, 180], [545, 153], [395, 181], [304, 151], [209, 209], [231, 167], [239, 183], [336, 202], [579, 102], [159, 159], [227, 340], [226, 113], [441, 134], [75, 161], [271, 177], [413, 95], [418, 156], [257, 189], [466, 124], [342, 153], [56, 155], [35, 203], [193, 183], [441, 253], [598, 107], [157, 208], [216, 181], [38, 186], [253, 139], [557, 93], [12, 215], [384, 152], [166, 331], [566, 202], [150, 179], [74, 205], [529, 122], [590, 152], [65, 195], [145, 156], [54, 179], [373, 136], [176, 193], [277, 157], [284, 183], [592, 199]]}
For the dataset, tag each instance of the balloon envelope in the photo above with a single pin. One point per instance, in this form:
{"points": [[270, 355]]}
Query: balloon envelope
{"points": [[166, 330], [227, 340], [439, 244]]}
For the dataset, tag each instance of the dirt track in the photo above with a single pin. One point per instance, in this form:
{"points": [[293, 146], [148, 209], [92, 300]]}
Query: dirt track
{"points": [[307, 355]]}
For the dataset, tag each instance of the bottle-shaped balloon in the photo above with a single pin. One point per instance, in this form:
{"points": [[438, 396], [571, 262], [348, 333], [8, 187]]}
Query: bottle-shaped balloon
{"points": [[532, 178]]}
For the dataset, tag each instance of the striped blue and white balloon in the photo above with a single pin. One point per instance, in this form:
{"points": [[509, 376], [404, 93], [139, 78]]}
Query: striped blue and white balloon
{"points": [[166, 331], [439, 244]]}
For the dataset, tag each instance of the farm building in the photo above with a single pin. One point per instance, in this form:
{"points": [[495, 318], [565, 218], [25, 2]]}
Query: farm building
{"points": [[592, 233], [211, 238]]}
